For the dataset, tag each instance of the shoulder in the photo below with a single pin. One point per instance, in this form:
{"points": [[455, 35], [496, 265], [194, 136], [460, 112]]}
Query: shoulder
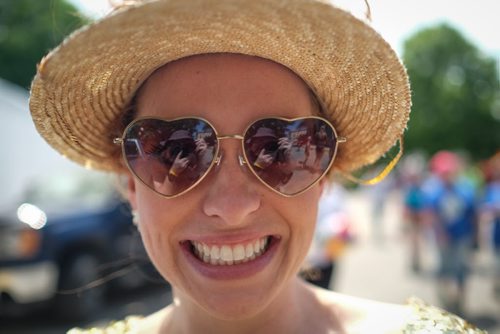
{"points": [[426, 318], [359, 315], [130, 325], [124, 326]]}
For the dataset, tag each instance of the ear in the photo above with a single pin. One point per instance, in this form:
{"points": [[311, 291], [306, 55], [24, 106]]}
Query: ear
{"points": [[324, 183], [131, 191]]}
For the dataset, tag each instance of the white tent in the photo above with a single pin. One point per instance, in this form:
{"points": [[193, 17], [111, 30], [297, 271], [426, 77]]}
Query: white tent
{"points": [[25, 156]]}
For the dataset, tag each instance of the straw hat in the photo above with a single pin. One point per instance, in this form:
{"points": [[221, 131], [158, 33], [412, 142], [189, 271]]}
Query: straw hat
{"points": [[82, 88]]}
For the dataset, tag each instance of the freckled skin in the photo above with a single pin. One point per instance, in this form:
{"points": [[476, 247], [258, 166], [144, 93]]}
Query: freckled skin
{"points": [[230, 91]]}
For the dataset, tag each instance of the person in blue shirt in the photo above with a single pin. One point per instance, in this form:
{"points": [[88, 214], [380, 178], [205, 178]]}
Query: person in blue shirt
{"points": [[450, 203], [490, 213], [414, 208]]}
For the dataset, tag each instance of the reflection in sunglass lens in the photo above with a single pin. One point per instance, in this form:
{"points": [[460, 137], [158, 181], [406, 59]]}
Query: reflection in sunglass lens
{"points": [[170, 156], [290, 156]]}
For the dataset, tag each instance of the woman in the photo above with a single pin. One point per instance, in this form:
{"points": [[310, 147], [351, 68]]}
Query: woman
{"points": [[231, 240]]}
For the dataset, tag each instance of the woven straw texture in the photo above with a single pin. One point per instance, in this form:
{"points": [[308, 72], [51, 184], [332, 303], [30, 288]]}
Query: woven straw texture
{"points": [[83, 87]]}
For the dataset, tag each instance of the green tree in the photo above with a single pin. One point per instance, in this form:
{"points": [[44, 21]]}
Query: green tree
{"points": [[28, 30], [454, 93]]}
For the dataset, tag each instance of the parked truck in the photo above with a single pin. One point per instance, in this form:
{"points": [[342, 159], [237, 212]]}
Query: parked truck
{"points": [[66, 249], [66, 235]]}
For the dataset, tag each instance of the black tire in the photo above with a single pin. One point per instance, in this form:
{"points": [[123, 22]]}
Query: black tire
{"points": [[80, 293]]}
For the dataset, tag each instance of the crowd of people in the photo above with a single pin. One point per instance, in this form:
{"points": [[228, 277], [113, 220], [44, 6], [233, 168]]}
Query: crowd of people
{"points": [[459, 206], [448, 205]]}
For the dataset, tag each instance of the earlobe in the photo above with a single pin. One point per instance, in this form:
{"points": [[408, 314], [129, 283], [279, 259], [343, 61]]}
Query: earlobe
{"points": [[131, 192], [324, 183]]}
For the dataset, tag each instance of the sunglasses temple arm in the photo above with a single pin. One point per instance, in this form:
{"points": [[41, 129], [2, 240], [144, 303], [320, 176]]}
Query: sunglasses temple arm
{"points": [[390, 166]]}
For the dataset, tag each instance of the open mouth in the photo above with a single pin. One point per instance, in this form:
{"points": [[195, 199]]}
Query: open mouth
{"points": [[226, 255]]}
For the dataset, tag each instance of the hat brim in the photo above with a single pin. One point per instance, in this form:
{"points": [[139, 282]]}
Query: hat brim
{"points": [[82, 88]]}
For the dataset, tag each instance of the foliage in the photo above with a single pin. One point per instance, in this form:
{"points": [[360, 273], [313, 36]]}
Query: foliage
{"points": [[455, 94], [28, 30], [456, 103]]}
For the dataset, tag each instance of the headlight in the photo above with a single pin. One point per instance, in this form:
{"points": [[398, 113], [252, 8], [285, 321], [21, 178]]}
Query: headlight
{"points": [[18, 244], [32, 215], [18, 241]]}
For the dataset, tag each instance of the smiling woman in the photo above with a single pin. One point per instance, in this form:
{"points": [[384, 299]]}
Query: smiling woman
{"points": [[225, 117]]}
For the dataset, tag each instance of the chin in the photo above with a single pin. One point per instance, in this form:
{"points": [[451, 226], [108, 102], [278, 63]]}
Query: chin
{"points": [[233, 301], [236, 308]]}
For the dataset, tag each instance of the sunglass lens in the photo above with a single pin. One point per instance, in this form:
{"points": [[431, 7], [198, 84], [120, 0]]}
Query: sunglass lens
{"points": [[170, 156], [290, 156]]}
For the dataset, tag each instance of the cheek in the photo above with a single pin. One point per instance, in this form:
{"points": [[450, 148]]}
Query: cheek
{"points": [[156, 230], [307, 227], [306, 207], [301, 216], [301, 221]]}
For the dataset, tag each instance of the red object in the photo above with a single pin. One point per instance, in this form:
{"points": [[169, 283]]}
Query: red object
{"points": [[445, 162]]}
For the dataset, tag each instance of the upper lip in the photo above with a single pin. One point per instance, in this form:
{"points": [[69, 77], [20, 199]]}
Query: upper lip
{"points": [[211, 233], [227, 240]]}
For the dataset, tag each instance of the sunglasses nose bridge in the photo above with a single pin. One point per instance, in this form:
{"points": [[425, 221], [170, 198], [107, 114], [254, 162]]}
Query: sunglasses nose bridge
{"points": [[224, 137], [218, 159], [241, 160]]}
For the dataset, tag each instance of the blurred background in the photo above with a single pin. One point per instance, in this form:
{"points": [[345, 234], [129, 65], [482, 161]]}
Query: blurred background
{"points": [[70, 256]]}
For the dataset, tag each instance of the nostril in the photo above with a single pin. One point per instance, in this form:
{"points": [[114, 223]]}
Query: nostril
{"points": [[231, 196]]}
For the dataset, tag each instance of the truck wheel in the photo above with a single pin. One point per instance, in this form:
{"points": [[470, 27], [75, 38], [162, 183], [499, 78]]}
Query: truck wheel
{"points": [[80, 292]]}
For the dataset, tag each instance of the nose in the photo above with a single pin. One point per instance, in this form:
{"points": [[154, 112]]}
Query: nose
{"points": [[233, 195]]}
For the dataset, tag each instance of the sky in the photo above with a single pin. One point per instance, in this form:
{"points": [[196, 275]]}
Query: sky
{"points": [[396, 20]]}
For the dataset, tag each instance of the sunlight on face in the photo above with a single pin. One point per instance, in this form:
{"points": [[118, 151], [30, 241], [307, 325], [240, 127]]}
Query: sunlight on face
{"points": [[230, 211]]}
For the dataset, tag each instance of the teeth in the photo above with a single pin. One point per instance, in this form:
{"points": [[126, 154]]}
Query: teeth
{"points": [[263, 243], [248, 250], [256, 247], [238, 252], [229, 255], [215, 253], [226, 253]]}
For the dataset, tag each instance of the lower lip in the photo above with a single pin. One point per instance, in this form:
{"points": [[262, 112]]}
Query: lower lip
{"points": [[231, 272]]}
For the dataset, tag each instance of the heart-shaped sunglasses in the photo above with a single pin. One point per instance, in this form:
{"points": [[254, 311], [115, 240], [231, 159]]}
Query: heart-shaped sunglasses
{"points": [[171, 157]]}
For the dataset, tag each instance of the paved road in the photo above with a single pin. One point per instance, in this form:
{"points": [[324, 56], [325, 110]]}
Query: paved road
{"points": [[376, 266]]}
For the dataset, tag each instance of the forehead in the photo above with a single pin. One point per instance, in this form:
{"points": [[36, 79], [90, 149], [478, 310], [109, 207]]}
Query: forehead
{"points": [[224, 85]]}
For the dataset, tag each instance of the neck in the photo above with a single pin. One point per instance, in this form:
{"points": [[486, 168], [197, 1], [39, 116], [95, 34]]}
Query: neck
{"points": [[286, 313]]}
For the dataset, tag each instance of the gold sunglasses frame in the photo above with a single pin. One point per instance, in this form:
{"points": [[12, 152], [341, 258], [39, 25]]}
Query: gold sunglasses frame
{"points": [[218, 158]]}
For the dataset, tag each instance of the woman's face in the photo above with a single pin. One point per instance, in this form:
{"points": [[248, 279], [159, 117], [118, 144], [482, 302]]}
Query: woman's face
{"points": [[230, 211]]}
